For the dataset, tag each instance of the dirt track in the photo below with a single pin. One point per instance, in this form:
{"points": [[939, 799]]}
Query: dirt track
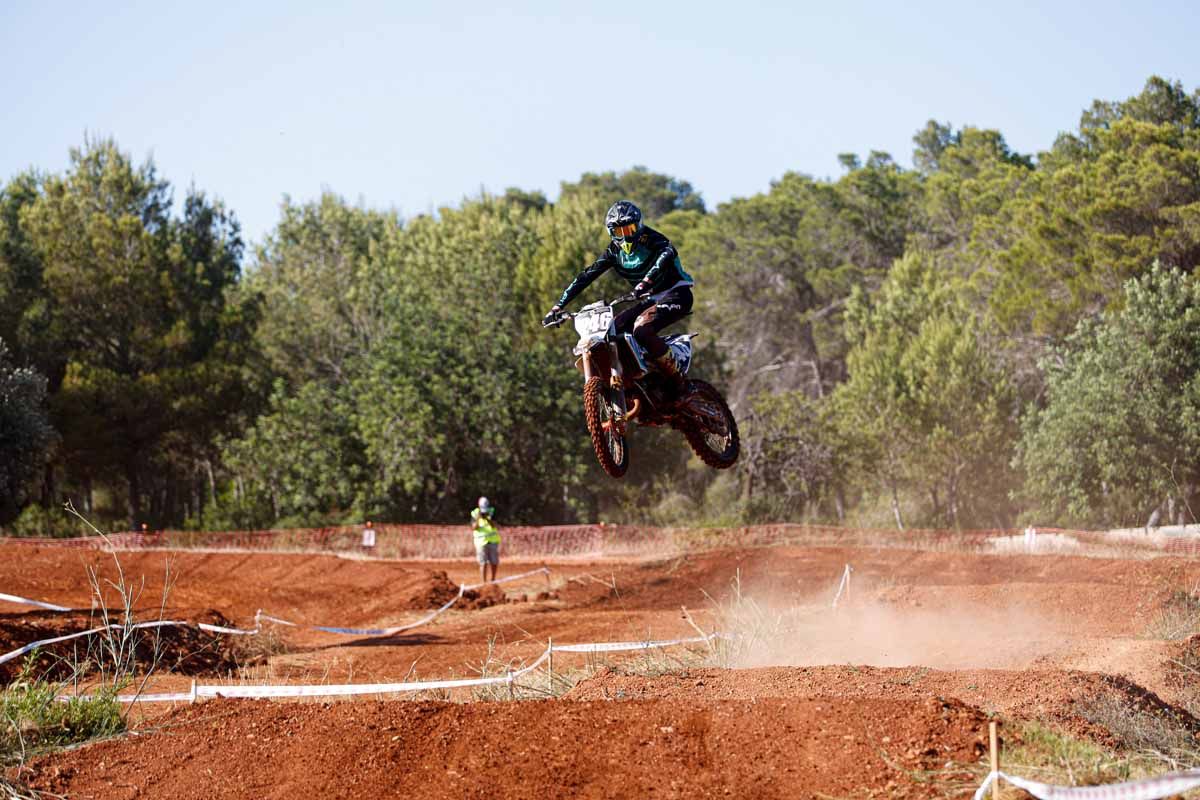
{"points": [[926, 644]]}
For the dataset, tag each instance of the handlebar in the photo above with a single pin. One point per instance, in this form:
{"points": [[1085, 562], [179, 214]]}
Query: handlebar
{"points": [[627, 298], [553, 321]]}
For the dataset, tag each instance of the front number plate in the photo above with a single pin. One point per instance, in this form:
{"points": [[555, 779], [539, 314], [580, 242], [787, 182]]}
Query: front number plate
{"points": [[594, 322]]}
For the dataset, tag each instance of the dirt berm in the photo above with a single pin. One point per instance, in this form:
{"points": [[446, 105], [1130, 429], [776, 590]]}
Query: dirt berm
{"points": [[769, 748], [1063, 697], [184, 650]]}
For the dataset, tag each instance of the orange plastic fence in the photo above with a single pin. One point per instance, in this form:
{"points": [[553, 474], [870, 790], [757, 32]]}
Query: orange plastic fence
{"points": [[455, 541]]}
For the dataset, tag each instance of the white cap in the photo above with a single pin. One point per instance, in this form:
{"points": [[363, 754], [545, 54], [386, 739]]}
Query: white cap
{"points": [[483, 503]]}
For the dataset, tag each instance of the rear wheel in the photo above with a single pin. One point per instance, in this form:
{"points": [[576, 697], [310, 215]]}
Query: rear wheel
{"points": [[607, 439], [709, 426]]}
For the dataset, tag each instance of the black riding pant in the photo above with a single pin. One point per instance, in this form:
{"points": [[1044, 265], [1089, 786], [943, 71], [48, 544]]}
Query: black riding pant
{"points": [[647, 318]]}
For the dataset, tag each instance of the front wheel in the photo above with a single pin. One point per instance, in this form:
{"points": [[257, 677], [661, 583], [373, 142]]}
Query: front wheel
{"points": [[608, 440], [709, 426]]}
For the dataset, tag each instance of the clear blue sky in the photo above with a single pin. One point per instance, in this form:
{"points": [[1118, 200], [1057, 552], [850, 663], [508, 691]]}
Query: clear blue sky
{"points": [[412, 106]]}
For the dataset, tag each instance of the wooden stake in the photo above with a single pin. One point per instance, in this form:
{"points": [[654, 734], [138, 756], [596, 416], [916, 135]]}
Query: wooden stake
{"points": [[994, 750]]}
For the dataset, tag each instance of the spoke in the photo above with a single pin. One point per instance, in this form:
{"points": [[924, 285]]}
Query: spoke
{"points": [[615, 443]]}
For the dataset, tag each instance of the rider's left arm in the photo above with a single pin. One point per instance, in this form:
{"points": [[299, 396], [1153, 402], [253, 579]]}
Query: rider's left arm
{"points": [[652, 275]]}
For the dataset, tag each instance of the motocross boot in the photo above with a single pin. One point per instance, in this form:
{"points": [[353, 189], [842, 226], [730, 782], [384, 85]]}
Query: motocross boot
{"points": [[668, 367]]}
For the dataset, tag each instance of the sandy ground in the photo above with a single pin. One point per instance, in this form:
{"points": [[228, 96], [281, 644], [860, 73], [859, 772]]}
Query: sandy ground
{"points": [[857, 701]]}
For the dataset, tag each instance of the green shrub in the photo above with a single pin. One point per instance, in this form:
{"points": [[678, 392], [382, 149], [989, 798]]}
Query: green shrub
{"points": [[33, 720]]}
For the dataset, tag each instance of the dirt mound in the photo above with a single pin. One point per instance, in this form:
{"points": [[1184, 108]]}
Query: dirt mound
{"points": [[437, 590], [182, 650], [770, 748], [485, 597], [1065, 697]]}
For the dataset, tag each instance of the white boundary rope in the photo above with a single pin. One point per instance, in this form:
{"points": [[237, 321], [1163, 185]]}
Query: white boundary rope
{"points": [[156, 624], [12, 598], [843, 585], [614, 647], [259, 618], [1148, 789], [350, 689]]}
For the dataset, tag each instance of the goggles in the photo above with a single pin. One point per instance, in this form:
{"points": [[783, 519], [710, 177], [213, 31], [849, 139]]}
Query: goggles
{"points": [[623, 231]]}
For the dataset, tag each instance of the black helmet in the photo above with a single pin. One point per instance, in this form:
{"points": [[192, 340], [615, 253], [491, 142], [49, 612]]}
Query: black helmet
{"points": [[624, 223]]}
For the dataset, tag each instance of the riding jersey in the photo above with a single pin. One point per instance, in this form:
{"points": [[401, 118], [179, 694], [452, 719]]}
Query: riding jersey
{"points": [[653, 261]]}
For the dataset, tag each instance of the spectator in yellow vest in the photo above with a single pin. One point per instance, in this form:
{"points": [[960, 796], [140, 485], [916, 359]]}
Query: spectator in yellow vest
{"points": [[487, 539]]}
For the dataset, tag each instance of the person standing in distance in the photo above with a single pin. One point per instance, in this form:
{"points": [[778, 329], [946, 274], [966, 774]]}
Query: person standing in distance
{"points": [[487, 539]]}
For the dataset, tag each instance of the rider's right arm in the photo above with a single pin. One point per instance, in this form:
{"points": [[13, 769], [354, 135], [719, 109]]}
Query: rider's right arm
{"points": [[584, 279]]}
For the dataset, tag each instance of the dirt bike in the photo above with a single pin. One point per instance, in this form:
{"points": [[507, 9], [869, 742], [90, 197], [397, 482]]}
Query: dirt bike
{"points": [[619, 387]]}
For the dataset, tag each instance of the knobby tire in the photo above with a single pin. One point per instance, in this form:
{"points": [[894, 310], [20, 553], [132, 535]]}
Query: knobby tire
{"points": [[694, 432], [593, 399]]}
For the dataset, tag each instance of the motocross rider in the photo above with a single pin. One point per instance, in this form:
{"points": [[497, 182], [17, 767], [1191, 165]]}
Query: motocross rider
{"points": [[647, 259]]}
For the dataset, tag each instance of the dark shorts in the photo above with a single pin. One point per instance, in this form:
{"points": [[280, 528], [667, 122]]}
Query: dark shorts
{"points": [[488, 553]]}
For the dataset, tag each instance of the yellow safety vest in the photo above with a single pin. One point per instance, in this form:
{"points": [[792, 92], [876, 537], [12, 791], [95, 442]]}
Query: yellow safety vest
{"points": [[485, 532]]}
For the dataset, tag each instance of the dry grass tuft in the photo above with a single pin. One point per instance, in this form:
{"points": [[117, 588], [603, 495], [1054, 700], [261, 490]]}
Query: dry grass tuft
{"points": [[33, 718], [1042, 753], [15, 790], [257, 650], [1179, 617], [1157, 736]]}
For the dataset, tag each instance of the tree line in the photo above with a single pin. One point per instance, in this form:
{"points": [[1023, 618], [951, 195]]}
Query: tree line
{"points": [[984, 339]]}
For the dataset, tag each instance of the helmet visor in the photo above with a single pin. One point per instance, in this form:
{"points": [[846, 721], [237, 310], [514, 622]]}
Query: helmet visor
{"points": [[623, 231]]}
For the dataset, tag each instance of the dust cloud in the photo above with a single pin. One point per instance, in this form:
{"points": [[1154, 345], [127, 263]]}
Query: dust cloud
{"points": [[895, 626]]}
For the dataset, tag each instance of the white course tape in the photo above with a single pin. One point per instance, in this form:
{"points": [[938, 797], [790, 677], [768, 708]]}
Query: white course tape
{"points": [[399, 628], [614, 647], [173, 697], [348, 689], [332, 690], [23, 650], [259, 617], [1148, 789], [258, 620], [538, 571], [844, 585], [12, 598], [205, 626]]}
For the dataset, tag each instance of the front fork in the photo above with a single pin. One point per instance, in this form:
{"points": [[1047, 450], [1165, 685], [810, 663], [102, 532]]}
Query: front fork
{"points": [[593, 363], [616, 382]]}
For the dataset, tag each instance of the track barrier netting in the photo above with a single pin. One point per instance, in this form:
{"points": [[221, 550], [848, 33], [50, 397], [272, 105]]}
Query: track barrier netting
{"points": [[447, 542]]}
